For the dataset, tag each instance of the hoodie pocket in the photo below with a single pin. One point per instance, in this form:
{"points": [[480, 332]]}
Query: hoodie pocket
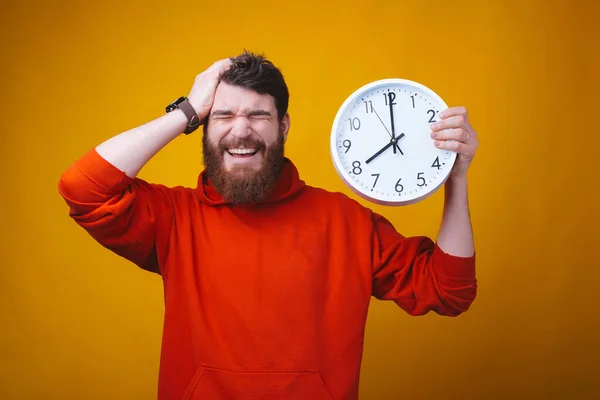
{"points": [[211, 383]]}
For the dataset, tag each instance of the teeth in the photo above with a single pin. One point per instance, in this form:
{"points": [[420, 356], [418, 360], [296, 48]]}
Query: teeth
{"points": [[241, 151]]}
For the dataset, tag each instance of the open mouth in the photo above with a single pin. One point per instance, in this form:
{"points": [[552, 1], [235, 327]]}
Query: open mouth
{"points": [[242, 152]]}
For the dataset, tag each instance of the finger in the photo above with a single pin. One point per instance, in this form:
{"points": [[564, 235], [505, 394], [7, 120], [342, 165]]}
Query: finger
{"points": [[460, 134], [457, 147], [453, 111], [218, 65], [457, 121], [215, 70], [224, 64], [222, 67]]}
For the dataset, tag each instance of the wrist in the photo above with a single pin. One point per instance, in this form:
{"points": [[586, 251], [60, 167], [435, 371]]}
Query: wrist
{"points": [[183, 106], [177, 119], [456, 181], [456, 189]]}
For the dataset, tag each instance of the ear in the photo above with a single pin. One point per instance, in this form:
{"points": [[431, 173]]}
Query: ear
{"points": [[285, 126]]}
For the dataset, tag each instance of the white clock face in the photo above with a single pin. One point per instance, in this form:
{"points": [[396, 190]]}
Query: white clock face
{"points": [[381, 145]]}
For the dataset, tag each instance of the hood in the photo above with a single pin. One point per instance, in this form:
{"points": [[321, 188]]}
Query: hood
{"points": [[288, 184]]}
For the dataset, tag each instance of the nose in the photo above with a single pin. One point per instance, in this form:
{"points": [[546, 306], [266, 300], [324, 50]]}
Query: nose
{"points": [[241, 127]]}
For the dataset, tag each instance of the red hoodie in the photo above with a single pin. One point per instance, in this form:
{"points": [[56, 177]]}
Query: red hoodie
{"points": [[263, 301]]}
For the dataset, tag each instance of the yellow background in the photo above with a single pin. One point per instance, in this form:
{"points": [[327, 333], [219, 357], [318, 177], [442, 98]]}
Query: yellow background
{"points": [[78, 322]]}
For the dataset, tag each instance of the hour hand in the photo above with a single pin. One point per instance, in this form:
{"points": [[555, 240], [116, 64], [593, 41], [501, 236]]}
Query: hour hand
{"points": [[374, 156], [393, 142]]}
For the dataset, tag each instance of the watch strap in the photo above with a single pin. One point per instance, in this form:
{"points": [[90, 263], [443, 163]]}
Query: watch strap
{"points": [[190, 113]]}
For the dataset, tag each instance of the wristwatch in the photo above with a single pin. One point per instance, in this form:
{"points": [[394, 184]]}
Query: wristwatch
{"points": [[184, 105]]}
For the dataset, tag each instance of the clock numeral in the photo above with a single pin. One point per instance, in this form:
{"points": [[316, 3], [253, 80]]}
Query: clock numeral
{"points": [[412, 97], [347, 144], [354, 123], [436, 163], [376, 179], [356, 169], [432, 118], [421, 179], [369, 106], [399, 188], [389, 98]]}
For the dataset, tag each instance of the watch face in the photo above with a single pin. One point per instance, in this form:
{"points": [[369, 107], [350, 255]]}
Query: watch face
{"points": [[381, 145], [173, 105]]}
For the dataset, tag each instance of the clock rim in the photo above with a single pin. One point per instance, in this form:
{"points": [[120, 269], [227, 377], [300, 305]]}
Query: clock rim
{"points": [[337, 162]]}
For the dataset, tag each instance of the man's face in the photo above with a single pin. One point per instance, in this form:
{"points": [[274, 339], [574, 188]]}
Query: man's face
{"points": [[243, 143]]}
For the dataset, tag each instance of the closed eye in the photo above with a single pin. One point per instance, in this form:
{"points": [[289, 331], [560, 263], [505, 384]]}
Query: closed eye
{"points": [[221, 114], [259, 114], [254, 114]]}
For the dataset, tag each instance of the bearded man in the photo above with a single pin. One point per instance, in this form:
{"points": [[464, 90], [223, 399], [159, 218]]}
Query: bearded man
{"points": [[267, 280]]}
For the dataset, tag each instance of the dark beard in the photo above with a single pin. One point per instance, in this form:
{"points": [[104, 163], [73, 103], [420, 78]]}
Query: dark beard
{"points": [[243, 185]]}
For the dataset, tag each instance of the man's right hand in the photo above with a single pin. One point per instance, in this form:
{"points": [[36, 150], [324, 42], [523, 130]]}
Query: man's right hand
{"points": [[202, 95], [131, 150]]}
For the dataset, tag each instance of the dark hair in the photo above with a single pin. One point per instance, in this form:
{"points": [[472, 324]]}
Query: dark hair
{"points": [[255, 72]]}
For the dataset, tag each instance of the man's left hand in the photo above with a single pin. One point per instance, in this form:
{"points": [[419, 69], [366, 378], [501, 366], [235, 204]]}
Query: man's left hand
{"points": [[454, 132]]}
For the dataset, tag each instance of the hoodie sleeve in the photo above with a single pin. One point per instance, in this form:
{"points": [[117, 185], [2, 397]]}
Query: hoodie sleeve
{"points": [[418, 275], [121, 213]]}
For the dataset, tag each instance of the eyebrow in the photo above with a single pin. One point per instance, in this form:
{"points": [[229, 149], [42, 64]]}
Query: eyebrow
{"points": [[251, 113], [255, 113], [221, 112]]}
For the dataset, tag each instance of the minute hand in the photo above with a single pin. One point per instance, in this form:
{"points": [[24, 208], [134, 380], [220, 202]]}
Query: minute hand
{"points": [[391, 98]]}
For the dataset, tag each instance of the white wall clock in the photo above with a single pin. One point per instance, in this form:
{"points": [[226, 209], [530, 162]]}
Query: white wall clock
{"points": [[380, 142]]}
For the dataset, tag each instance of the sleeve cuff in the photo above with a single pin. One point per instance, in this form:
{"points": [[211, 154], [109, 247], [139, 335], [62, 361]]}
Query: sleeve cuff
{"points": [[103, 173], [453, 266]]}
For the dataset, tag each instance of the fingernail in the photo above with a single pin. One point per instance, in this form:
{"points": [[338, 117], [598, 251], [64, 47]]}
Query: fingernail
{"points": [[434, 126], [434, 135], [438, 143]]}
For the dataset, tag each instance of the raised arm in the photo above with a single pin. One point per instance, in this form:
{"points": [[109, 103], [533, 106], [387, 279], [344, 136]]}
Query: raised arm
{"points": [[132, 149], [421, 275], [455, 133], [123, 213]]}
